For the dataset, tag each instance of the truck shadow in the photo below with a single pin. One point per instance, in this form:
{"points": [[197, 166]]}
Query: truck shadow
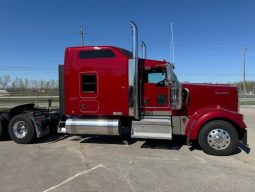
{"points": [[175, 144], [239, 149], [115, 140], [51, 138]]}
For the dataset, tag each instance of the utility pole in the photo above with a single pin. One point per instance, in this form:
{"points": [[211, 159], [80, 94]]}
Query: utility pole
{"points": [[244, 60], [172, 41], [82, 36], [254, 87]]}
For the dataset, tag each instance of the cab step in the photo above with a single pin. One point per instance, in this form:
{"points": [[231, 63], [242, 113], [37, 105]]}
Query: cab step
{"points": [[150, 127]]}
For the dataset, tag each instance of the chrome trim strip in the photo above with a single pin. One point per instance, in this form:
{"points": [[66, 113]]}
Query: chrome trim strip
{"points": [[184, 124], [167, 113], [176, 125], [155, 117], [187, 97], [176, 96], [179, 124], [131, 87]]}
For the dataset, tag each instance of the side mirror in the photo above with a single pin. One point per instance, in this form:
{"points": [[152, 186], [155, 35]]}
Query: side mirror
{"points": [[169, 71]]}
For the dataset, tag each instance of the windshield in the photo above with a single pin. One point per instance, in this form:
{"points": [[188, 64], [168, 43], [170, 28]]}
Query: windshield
{"points": [[156, 76]]}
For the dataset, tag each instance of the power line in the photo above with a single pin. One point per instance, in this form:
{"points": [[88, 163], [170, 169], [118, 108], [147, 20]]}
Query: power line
{"points": [[29, 69], [213, 74]]}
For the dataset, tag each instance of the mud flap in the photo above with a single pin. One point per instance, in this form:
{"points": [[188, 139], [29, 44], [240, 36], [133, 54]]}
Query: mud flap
{"points": [[244, 144], [244, 139]]}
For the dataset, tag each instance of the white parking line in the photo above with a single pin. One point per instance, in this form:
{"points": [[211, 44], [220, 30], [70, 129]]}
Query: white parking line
{"points": [[73, 177]]}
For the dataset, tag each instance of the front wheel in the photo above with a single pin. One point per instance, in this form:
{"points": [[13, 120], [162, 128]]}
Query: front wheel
{"points": [[218, 138]]}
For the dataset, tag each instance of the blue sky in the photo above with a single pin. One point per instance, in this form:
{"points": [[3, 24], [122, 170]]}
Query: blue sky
{"points": [[208, 34]]}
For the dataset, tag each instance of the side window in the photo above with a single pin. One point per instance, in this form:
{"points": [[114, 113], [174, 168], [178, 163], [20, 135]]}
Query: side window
{"points": [[156, 76], [88, 83], [90, 54]]}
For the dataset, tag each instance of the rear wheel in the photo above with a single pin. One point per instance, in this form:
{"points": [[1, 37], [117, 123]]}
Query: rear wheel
{"points": [[21, 129], [218, 138], [1, 129], [4, 120]]}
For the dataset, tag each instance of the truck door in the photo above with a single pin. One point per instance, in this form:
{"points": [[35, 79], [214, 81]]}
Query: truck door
{"points": [[155, 92]]}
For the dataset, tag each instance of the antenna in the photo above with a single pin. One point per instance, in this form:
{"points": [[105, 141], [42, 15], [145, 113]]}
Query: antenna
{"points": [[82, 34], [172, 43]]}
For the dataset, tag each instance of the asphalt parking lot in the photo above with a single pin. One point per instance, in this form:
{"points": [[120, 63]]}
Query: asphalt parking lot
{"points": [[85, 164]]}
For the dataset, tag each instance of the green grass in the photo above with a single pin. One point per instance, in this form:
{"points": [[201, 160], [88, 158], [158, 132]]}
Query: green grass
{"points": [[25, 100], [20, 100], [247, 102]]}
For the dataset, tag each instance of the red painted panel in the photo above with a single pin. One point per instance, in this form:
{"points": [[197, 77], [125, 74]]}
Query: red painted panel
{"points": [[151, 92], [206, 95], [89, 106], [112, 82], [210, 113]]}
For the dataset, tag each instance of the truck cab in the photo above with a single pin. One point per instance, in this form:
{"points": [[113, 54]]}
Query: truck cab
{"points": [[105, 94], [111, 91], [107, 90]]}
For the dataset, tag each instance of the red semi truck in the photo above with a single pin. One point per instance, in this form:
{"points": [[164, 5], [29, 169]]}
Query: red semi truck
{"points": [[107, 90]]}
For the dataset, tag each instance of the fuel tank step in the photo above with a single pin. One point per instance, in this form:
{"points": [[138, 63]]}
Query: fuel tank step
{"points": [[152, 128], [92, 126]]}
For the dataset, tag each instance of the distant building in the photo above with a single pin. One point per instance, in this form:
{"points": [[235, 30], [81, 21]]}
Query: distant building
{"points": [[4, 92]]}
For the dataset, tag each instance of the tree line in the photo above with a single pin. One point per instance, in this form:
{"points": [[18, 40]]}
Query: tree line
{"points": [[24, 86], [250, 86], [50, 87]]}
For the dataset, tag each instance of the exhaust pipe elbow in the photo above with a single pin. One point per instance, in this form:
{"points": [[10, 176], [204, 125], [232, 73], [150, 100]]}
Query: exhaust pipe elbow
{"points": [[134, 39], [144, 50]]}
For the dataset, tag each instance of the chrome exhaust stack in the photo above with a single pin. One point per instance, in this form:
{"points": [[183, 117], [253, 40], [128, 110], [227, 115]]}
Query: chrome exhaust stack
{"points": [[144, 50], [134, 39], [133, 75]]}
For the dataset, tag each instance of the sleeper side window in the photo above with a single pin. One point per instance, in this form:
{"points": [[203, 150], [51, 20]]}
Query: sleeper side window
{"points": [[92, 54], [88, 83]]}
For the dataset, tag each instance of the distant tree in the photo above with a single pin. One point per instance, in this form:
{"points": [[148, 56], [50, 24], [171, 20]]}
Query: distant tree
{"points": [[34, 84], [4, 81]]}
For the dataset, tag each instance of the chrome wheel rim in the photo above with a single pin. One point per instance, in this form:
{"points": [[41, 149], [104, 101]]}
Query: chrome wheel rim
{"points": [[218, 139], [20, 129]]}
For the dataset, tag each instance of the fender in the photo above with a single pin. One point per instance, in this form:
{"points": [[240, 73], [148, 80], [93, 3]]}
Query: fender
{"points": [[206, 114]]}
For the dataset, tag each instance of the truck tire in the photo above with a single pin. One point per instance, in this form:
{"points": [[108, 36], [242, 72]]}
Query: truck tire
{"points": [[1, 129], [6, 117], [218, 138], [21, 129], [4, 120]]}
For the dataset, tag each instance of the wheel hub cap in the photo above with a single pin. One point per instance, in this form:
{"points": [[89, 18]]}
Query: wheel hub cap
{"points": [[218, 139], [20, 129]]}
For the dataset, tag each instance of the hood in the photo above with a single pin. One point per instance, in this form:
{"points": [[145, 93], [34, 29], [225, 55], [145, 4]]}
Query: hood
{"points": [[205, 95]]}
